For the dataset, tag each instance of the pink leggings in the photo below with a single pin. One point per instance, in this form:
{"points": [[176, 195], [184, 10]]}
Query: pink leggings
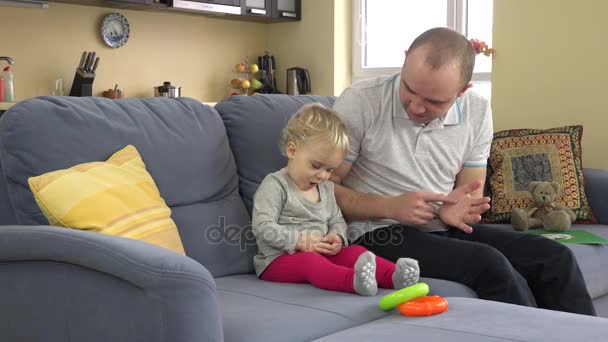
{"points": [[334, 273]]}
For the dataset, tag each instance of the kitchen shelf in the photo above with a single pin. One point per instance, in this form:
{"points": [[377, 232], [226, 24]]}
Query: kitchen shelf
{"points": [[273, 10]]}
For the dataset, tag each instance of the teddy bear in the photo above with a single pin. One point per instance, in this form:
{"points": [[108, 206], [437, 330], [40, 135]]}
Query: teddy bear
{"points": [[543, 211]]}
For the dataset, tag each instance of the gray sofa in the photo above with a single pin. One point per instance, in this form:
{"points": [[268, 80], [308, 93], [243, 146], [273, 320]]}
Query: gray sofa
{"points": [[60, 284]]}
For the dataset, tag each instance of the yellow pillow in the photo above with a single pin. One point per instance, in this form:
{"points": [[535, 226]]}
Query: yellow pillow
{"points": [[116, 197]]}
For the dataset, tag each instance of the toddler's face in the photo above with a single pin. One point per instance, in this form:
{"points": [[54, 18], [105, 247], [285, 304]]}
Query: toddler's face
{"points": [[311, 164]]}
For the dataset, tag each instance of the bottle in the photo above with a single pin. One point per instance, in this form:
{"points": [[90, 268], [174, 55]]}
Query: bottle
{"points": [[7, 75], [1, 88]]}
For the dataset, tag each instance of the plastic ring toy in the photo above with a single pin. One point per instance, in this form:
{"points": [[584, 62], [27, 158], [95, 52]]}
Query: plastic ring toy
{"points": [[391, 300], [423, 306]]}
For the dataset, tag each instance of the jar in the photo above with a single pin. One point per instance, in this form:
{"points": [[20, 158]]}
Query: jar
{"points": [[167, 90]]}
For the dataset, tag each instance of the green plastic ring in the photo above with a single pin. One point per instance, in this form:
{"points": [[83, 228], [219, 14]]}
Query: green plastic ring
{"points": [[391, 300]]}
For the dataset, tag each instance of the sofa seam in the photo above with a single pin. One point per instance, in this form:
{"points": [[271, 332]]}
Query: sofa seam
{"points": [[453, 330], [8, 193], [298, 305]]}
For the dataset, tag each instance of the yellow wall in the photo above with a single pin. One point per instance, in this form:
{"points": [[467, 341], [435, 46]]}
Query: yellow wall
{"points": [[308, 44], [192, 51], [342, 45], [550, 69], [320, 42]]}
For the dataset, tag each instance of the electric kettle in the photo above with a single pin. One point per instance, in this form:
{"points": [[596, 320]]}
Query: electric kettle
{"points": [[298, 81]]}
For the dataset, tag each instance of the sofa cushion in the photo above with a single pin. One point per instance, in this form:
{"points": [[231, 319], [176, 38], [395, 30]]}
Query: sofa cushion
{"points": [[596, 187], [256, 310], [6, 211], [184, 145], [601, 306], [592, 259], [479, 320], [115, 197], [254, 125], [520, 156]]}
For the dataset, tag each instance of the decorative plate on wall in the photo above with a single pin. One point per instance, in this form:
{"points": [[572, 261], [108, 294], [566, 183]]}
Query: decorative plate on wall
{"points": [[115, 30]]}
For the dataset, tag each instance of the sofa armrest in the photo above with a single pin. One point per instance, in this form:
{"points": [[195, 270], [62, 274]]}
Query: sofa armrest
{"points": [[63, 284], [596, 188]]}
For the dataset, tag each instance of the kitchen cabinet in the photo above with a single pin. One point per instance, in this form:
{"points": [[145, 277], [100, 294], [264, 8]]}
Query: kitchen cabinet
{"points": [[286, 10], [268, 11], [256, 8], [126, 4], [141, 2], [272, 10]]}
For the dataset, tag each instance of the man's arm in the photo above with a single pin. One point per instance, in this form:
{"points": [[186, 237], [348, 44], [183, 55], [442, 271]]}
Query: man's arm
{"points": [[468, 191], [407, 208], [357, 205], [470, 174], [469, 182]]}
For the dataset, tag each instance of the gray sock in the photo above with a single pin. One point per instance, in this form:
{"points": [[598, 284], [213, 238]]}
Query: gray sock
{"points": [[365, 275], [406, 273]]}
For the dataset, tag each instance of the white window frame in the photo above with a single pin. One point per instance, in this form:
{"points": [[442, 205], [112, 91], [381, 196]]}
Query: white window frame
{"points": [[456, 20]]}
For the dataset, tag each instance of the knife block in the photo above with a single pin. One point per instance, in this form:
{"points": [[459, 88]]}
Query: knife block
{"points": [[82, 84]]}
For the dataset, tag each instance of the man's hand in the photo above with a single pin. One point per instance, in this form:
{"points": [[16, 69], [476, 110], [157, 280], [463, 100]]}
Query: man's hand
{"points": [[463, 210], [335, 241], [416, 207]]}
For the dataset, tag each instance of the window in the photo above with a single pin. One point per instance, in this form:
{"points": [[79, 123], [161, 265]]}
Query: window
{"points": [[384, 29]]}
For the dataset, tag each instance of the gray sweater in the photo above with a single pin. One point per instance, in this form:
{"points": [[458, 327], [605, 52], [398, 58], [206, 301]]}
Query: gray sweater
{"points": [[281, 214]]}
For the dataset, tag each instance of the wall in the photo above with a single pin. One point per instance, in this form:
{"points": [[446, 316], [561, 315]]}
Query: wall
{"points": [[342, 45], [550, 69], [320, 42], [192, 51], [308, 44]]}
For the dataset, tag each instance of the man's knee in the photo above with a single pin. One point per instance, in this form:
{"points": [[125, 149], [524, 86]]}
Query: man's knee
{"points": [[548, 249], [493, 264], [564, 254]]}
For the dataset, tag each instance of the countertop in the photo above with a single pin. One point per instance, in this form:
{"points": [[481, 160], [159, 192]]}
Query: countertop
{"points": [[6, 105]]}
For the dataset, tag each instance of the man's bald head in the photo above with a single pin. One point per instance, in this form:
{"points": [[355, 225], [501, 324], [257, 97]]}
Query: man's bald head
{"points": [[445, 46]]}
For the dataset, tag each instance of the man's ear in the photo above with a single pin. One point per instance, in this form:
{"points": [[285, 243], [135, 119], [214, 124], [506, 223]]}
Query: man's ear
{"points": [[466, 87], [290, 149]]}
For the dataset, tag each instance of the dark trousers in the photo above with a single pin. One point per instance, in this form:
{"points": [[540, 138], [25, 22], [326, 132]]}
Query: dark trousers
{"points": [[498, 264]]}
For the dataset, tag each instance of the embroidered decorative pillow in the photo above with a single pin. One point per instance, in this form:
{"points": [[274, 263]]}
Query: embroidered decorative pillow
{"points": [[520, 156], [116, 197]]}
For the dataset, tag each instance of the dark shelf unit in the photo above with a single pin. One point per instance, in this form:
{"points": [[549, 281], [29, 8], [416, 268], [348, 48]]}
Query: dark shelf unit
{"points": [[124, 4], [266, 11]]}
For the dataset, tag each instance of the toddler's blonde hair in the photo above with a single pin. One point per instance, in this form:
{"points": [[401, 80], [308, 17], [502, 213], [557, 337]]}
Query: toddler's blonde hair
{"points": [[314, 123]]}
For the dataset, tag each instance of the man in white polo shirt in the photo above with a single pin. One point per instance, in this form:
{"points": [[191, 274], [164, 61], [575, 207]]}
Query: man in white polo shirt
{"points": [[417, 136]]}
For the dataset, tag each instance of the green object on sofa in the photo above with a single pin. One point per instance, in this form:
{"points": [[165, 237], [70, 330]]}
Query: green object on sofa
{"points": [[571, 236]]}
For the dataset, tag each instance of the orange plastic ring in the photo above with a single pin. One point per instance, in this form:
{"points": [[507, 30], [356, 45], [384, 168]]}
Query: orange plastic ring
{"points": [[423, 306]]}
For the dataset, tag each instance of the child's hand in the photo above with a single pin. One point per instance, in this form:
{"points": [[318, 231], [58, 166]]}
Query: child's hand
{"points": [[316, 243], [308, 243], [335, 242], [333, 238]]}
